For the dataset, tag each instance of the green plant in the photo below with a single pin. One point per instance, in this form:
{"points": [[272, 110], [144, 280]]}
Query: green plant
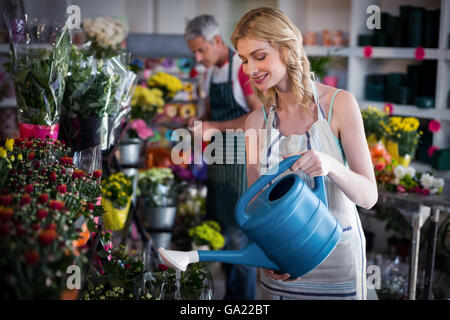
{"points": [[208, 233], [158, 187], [193, 284], [373, 120], [320, 65], [91, 86], [39, 79]]}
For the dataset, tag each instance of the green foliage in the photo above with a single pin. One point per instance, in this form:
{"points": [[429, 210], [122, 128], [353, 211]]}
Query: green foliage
{"points": [[208, 233], [39, 79], [91, 86]]}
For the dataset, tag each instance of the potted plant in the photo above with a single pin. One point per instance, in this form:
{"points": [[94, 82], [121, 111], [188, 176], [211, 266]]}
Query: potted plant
{"points": [[158, 190], [207, 236], [44, 202], [39, 66], [193, 284], [117, 192]]}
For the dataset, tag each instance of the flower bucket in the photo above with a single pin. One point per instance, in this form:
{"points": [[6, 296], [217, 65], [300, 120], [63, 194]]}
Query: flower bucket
{"points": [[30, 131], [202, 247], [392, 148], [160, 217], [129, 152], [114, 218]]}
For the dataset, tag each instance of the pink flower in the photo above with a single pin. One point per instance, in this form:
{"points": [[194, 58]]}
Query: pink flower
{"points": [[431, 150], [62, 188], [434, 126], [367, 52], [425, 192], [401, 189], [419, 53], [388, 108], [143, 131]]}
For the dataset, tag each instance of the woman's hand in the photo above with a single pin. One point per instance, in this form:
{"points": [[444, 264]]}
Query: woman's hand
{"points": [[313, 163], [277, 276]]}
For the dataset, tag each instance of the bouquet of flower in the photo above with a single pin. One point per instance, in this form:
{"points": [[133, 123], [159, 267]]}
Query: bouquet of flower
{"points": [[404, 132], [409, 180], [117, 192], [146, 103], [167, 83], [373, 120], [208, 233], [40, 61], [44, 201], [157, 186], [140, 129], [107, 35]]}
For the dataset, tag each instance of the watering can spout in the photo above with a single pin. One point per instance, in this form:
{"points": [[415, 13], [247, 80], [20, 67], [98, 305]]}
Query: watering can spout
{"points": [[251, 255]]}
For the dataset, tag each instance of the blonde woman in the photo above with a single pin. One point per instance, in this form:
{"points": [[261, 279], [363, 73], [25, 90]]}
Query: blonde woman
{"points": [[324, 125]]}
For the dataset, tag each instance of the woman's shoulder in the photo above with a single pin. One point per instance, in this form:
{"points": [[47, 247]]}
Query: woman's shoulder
{"points": [[343, 100], [255, 119]]}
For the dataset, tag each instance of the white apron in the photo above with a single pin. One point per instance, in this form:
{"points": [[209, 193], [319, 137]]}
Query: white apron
{"points": [[342, 275]]}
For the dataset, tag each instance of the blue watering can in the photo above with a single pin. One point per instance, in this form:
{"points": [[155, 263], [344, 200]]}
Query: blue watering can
{"points": [[289, 227]]}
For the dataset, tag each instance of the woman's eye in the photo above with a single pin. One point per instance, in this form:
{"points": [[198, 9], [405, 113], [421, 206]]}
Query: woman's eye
{"points": [[260, 58]]}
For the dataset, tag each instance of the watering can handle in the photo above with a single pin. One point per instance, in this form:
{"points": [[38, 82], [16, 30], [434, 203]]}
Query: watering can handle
{"points": [[241, 206]]}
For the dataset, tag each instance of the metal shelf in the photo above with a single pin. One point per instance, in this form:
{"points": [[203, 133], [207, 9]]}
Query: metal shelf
{"points": [[8, 102]]}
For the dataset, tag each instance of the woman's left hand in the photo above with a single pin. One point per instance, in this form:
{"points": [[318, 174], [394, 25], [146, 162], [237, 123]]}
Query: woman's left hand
{"points": [[313, 163]]}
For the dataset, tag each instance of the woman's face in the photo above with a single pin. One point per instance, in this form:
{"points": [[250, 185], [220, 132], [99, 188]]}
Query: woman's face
{"points": [[262, 63]]}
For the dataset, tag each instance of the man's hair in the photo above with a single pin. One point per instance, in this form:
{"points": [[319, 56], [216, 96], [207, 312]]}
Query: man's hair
{"points": [[204, 26]]}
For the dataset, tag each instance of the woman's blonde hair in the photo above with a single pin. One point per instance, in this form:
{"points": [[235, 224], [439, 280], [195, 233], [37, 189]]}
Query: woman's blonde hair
{"points": [[273, 26]]}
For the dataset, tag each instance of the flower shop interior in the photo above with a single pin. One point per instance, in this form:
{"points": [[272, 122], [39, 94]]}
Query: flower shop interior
{"points": [[90, 188]]}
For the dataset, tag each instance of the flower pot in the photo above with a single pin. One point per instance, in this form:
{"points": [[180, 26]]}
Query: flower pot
{"points": [[161, 239], [160, 217], [29, 131], [392, 148], [129, 151], [81, 133]]}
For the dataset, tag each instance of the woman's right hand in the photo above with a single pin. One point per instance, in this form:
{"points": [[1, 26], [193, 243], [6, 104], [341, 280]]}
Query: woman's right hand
{"points": [[277, 276]]}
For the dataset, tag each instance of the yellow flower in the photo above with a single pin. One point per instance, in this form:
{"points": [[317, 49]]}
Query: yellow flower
{"points": [[20, 157], [2, 152], [9, 144], [12, 158]]}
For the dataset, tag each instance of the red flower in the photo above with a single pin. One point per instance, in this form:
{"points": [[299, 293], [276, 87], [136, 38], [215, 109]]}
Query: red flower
{"points": [[6, 214], [431, 150], [28, 143], [6, 200], [425, 192], [127, 266], [52, 176], [77, 174], [43, 198], [434, 126], [162, 267], [52, 226], [31, 257], [37, 164], [401, 189], [47, 236], [29, 188], [35, 226], [31, 156], [56, 204], [42, 213], [97, 174], [90, 206], [66, 161], [62, 188], [26, 199]]}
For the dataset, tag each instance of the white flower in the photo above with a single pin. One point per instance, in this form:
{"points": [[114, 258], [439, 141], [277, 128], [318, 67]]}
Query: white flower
{"points": [[438, 183], [411, 171], [427, 180], [434, 191], [399, 171]]}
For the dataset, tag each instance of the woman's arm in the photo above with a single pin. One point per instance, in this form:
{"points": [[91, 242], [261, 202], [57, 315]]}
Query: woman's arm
{"points": [[358, 180]]}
